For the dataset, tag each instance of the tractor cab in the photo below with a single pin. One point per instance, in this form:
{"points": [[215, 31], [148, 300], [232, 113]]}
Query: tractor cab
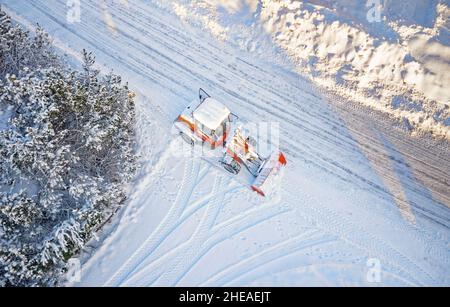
{"points": [[206, 121], [211, 119]]}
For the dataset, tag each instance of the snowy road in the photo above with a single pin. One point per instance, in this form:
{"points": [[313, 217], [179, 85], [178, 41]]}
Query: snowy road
{"points": [[356, 186]]}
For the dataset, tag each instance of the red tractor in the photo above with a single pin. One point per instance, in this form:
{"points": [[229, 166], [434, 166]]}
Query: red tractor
{"points": [[209, 122]]}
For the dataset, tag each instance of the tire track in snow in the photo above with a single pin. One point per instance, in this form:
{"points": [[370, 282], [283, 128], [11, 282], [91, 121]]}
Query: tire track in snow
{"points": [[184, 261], [277, 251], [191, 170], [276, 255], [335, 224], [219, 233], [152, 271], [247, 221]]}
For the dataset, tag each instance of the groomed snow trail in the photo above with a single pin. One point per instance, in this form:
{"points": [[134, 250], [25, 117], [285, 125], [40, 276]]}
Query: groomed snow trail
{"points": [[355, 186]]}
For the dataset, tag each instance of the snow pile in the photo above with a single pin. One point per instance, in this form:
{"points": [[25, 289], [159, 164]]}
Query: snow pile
{"points": [[201, 20], [393, 58], [393, 67], [231, 21]]}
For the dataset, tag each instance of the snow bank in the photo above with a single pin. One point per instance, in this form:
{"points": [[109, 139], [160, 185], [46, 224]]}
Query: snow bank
{"points": [[395, 59], [399, 66]]}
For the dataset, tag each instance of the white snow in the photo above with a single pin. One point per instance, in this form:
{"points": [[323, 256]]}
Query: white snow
{"points": [[5, 115], [356, 186]]}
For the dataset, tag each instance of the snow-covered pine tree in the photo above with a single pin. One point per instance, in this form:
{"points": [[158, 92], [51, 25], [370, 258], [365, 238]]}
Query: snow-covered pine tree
{"points": [[18, 50], [65, 156]]}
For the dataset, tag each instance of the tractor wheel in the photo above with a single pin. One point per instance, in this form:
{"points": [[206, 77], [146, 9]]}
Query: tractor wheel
{"points": [[234, 167], [187, 138]]}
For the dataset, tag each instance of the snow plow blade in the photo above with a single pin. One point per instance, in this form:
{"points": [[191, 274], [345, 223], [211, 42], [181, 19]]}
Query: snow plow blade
{"points": [[268, 174]]}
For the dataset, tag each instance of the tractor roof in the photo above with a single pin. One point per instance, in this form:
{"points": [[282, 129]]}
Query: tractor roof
{"points": [[211, 113]]}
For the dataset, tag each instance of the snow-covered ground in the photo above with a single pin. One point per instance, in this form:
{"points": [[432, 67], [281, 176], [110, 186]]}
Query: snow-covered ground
{"points": [[356, 188]]}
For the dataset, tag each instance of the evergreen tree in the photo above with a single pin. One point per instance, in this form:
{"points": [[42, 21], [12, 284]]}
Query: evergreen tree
{"points": [[65, 156]]}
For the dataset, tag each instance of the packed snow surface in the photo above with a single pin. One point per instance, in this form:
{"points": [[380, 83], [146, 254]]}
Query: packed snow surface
{"points": [[359, 195]]}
